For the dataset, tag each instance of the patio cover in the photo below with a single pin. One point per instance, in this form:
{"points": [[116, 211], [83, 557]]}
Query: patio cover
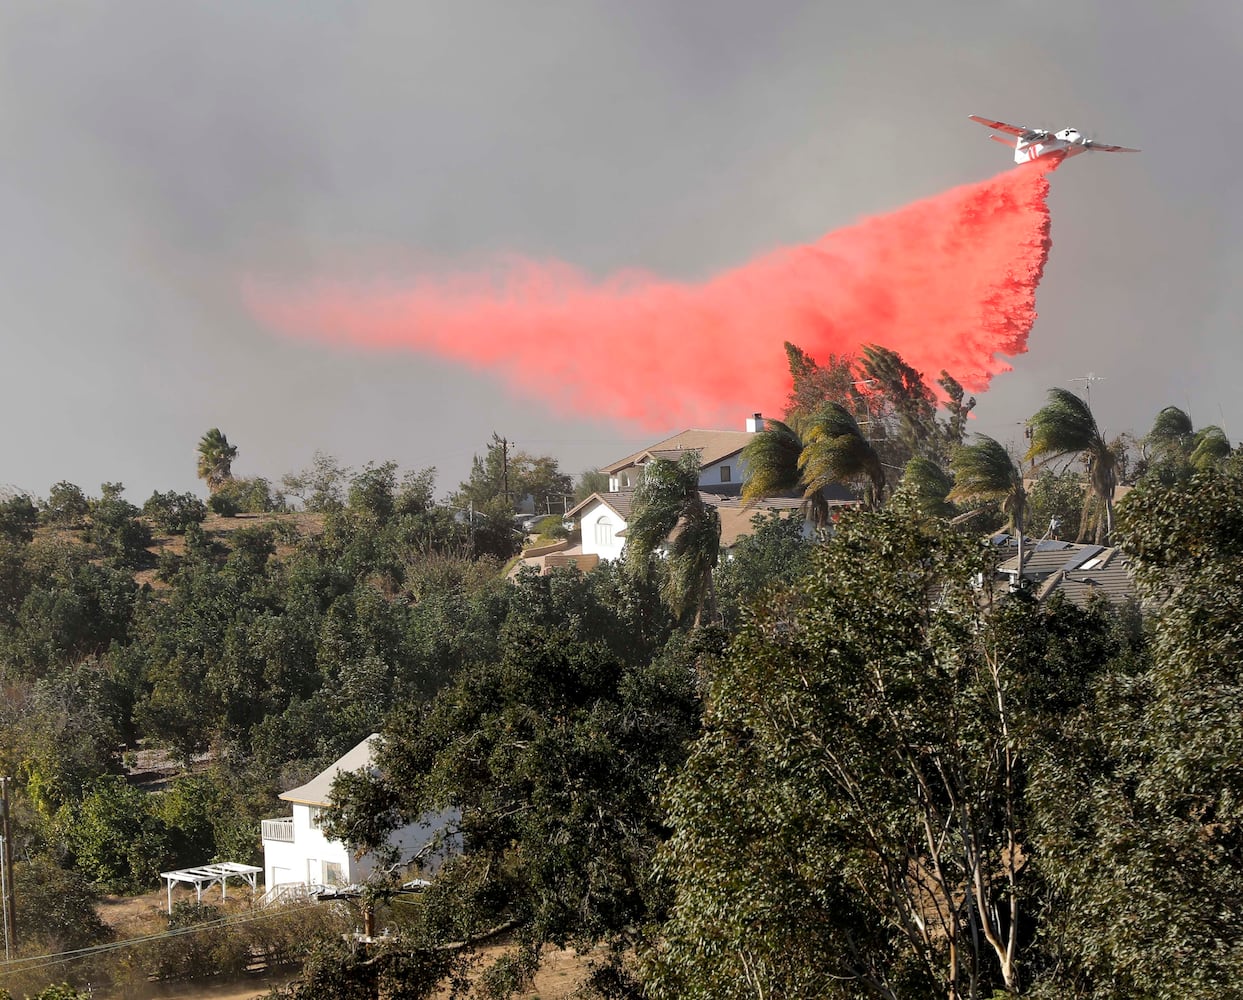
{"points": [[207, 875]]}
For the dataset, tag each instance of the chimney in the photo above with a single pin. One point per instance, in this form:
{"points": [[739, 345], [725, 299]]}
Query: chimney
{"points": [[755, 424]]}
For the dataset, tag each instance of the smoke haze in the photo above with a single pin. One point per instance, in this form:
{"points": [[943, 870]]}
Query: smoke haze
{"points": [[948, 282]]}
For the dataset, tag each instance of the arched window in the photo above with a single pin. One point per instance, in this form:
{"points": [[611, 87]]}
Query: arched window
{"points": [[604, 531]]}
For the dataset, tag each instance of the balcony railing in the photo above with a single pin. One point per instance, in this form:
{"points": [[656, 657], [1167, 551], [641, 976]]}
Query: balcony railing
{"points": [[278, 829]]}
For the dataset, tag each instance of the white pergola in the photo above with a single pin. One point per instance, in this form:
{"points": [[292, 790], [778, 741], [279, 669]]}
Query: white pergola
{"points": [[208, 875]]}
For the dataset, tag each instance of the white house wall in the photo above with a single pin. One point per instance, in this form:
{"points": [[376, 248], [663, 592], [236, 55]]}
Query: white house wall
{"points": [[600, 525], [307, 859], [733, 467]]}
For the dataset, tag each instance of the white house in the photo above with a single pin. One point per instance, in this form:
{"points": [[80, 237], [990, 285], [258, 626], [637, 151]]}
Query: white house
{"points": [[720, 465], [603, 517], [295, 850]]}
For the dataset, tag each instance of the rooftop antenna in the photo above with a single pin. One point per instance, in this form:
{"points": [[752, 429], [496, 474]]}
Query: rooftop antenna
{"points": [[1087, 381]]}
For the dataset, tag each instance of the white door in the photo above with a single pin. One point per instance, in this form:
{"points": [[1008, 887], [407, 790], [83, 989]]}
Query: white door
{"points": [[312, 871]]}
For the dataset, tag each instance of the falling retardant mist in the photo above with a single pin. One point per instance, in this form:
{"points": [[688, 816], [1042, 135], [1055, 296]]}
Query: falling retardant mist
{"points": [[949, 282]]}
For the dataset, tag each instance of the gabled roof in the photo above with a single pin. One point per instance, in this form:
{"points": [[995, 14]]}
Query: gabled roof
{"points": [[713, 446], [619, 503], [317, 791]]}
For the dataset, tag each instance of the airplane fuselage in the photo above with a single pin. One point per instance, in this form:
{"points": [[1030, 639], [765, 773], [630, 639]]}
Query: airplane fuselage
{"points": [[1067, 142]]}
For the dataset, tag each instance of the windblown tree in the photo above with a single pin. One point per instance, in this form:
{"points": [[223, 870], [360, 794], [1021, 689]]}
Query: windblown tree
{"points": [[887, 397], [771, 460], [215, 459], [668, 510], [1174, 449], [1211, 448], [1065, 428], [1171, 432], [1140, 824], [900, 401], [837, 451], [927, 486], [812, 384], [984, 472], [851, 823], [831, 449]]}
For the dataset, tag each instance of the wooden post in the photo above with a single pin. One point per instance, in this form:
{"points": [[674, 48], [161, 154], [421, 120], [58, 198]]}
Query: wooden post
{"points": [[10, 900]]}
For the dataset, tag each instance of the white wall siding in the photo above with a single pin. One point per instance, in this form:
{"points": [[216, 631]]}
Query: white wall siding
{"points": [[600, 526], [308, 857]]}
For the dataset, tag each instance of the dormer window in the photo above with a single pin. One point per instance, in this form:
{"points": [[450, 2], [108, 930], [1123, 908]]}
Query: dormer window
{"points": [[726, 473]]}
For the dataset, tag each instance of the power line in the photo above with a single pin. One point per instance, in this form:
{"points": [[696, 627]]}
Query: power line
{"points": [[34, 962]]}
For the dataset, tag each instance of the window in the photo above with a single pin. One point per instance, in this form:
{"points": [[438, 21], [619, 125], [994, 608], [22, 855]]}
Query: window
{"points": [[604, 531], [725, 473], [333, 875], [317, 816]]}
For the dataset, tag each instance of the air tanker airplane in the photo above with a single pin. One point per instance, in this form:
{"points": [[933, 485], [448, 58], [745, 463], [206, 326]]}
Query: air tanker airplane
{"points": [[1033, 143]]}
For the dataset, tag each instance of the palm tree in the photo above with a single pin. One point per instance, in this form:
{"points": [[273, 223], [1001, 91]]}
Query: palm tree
{"points": [[1209, 446], [984, 472], [668, 507], [215, 459], [835, 450], [1064, 427], [1180, 448], [831, 449], [927, 486], [771, 462], [1171, 429]]}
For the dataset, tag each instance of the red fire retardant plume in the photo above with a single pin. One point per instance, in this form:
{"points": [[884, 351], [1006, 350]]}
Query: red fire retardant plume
{"points": [[948, 282]]}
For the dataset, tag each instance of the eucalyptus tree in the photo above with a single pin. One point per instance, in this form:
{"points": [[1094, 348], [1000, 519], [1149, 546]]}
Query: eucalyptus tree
{"points": [[906, 402], [1140, 824], [852, 821], [669, 511], [1065, 427]]}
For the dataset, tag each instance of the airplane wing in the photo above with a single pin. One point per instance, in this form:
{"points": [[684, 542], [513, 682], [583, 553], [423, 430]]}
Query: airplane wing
{"points": [[1018, 130], [1102, 147]]}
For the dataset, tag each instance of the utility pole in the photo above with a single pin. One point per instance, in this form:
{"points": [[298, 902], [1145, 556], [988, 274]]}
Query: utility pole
{"points": [[6, 873], [505, 466]]}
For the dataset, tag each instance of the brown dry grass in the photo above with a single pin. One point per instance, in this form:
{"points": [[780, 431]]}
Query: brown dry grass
{"points": [[561, 974]]}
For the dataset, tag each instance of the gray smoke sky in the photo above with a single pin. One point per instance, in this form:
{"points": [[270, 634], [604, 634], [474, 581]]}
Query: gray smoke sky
{"points": [[156, 154]]}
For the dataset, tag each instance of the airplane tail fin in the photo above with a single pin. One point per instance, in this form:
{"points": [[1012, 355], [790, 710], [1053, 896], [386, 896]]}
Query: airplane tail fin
{"points": [[1014, 144]]}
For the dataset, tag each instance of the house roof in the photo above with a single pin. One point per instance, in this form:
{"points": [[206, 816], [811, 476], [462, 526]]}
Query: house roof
{"points": [[1105, 574], [619, 503], [713, 446], [1048, 557], [317, 791]]}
